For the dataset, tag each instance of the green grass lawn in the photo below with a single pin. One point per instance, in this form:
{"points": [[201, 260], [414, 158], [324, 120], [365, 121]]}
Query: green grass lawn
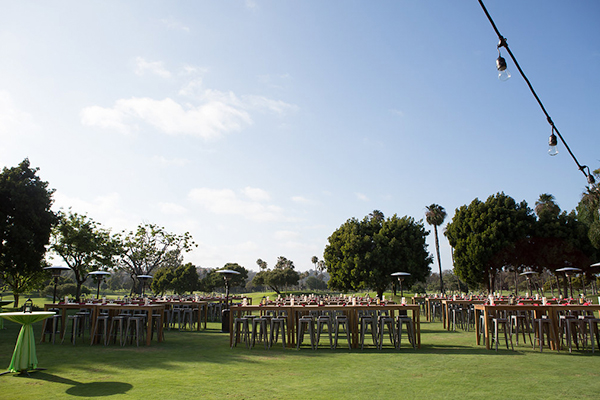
{"points": [[200, 365]]}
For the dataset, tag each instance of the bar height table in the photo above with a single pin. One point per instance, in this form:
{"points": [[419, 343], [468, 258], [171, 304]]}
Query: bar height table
{"points": [[24, 357]]}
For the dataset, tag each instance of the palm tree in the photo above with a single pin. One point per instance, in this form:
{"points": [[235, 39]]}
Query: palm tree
{"points": [[435, 215], [547, 204]]}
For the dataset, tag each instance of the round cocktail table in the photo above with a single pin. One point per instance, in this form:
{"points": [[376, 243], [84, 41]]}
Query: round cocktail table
{"points": [[24, 357]]}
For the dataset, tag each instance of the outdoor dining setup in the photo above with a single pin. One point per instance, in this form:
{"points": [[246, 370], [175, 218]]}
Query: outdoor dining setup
{"points": [[555, 323], [355, 320]]}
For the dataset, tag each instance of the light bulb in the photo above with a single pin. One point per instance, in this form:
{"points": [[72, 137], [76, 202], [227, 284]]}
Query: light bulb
{"points": [[552, 143], [503, 72], [504, 75]]}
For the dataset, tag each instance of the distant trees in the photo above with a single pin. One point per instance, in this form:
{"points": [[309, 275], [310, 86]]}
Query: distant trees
{"points": [[482, 233], [26, 221], [364, 254], [588, 210], [214, 280], [435, 215], [500, 233], [282, 275], [181, 279], [151, 247], [83, 245]]}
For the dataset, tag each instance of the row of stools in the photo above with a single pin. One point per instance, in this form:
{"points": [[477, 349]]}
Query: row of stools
{"points": [[127, 326], [182, 316], [333, 324], [573, 327], [265, 328]]}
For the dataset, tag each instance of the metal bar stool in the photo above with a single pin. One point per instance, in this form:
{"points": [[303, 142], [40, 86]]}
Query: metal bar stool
{"points": [[341, 320], [305, 323]]}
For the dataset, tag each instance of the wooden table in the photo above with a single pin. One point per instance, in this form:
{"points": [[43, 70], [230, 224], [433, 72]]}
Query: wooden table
{"points": [[202, 305], [114, 308], [429, 302], [350, 310], [551, 310], [117, 308], [64, 308]]}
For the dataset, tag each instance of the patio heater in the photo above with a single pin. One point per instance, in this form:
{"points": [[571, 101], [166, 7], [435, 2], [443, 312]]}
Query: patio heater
{"points": [[527, 275], [144, 279], [227, 275], [99, 277], [56, 271], [595, 290], [401, 276], [568, 271]]}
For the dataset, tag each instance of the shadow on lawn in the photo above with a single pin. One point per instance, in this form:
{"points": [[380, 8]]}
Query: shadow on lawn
{"points": [[91, 389]]}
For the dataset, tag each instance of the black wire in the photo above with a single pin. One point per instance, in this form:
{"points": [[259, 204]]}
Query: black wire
{"points": [[503, 43]]}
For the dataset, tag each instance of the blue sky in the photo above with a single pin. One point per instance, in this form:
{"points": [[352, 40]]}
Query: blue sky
{"points": [[262, 126]]}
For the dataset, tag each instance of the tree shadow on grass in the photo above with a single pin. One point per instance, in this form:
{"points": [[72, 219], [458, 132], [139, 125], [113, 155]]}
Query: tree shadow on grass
{"points": [[90, 389]]}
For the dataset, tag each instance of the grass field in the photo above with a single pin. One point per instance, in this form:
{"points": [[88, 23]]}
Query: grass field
{"points": [[200, 365]]}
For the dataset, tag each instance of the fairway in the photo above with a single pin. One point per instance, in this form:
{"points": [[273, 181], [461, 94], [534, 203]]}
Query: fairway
{"points": [[192, 365]]}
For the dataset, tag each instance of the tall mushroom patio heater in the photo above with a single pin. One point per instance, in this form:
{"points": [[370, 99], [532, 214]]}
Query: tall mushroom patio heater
{"points": [[56, 271], [227, 275], [568, 271], [527, 275], [401, 276], [99, 277], [144, 279]]}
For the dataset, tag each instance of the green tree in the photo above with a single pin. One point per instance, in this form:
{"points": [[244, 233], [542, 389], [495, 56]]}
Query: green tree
{"points": [[546, 205], [26, 221], [186, 279], [214, 280], [149, 248], [435, 215], [83, 245], [163, 280], [588, 210], [364, 254], [484, 235], [282, 275]]}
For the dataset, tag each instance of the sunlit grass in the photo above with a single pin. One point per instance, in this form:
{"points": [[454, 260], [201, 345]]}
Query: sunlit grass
{"points": [[201, 365]]}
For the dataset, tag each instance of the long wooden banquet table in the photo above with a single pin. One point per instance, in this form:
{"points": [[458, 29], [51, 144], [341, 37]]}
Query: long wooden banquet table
{"points": [[551, 310], [201, 310], [351, 311], [114, 309]]}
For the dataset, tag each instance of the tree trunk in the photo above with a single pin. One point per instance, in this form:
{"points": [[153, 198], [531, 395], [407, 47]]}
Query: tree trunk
{"points": [[437, 249], [16, 301]]}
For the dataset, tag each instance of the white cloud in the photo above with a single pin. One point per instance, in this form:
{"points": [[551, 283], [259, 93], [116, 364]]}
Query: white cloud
{"points": [[172, 209], [256, 194], [361, 196], [175, 24], [302, 200], [106, 209], [227, 202], [209, 120], [191, 88], [154, 67], [277, 106], [107, 118]]}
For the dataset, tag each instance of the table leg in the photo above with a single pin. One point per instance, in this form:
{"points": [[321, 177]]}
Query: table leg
{"points": [[417, 322], [486, 319], [477, 327]]}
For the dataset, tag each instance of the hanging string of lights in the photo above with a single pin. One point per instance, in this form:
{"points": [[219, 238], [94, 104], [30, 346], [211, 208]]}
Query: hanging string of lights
{"points": [[504, 74]]}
